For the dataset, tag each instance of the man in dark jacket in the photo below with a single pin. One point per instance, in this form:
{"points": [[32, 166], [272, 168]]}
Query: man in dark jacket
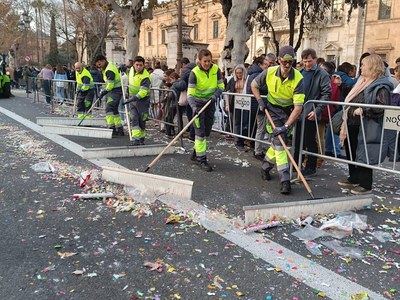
{"points": [[259, 64], [187, 67], [317, 86]]}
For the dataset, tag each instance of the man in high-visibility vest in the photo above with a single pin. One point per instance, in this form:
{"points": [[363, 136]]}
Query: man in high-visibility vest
{"points": [[5, 86], [205, 84], [113, 91], [139, 101], [84, 89], [285, 98]]}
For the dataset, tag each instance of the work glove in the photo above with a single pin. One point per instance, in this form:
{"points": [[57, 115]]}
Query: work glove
{"points": [[196, 109], [103, 93], [261, 104], [213, 99], [280, 130], [131, 99]]}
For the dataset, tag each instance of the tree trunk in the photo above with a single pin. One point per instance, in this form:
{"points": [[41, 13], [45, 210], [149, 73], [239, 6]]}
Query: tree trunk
{"points": [[132, 19], [238, 32]]}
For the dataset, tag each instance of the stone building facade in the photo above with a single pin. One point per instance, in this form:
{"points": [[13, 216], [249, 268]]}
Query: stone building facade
{"points": [[335, 39], [205, 25]]}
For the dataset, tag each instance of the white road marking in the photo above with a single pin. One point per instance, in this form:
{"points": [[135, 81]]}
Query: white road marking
{"points": [[311, 274]]}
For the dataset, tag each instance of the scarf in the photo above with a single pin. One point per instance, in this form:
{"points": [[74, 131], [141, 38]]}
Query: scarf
{"points": [[361, 84]]}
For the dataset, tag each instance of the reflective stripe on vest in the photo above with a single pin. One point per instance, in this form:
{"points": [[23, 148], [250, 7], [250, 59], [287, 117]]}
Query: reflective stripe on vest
{"points": [[112, 84], [84, 86], [206, 83], [135, 80], [281, 93]]}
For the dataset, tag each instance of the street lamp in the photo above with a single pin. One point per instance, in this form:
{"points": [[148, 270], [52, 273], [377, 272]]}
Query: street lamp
{"points": [[266, 39], [25, 24]]}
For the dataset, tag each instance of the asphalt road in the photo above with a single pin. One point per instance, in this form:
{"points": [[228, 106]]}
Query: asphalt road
{"points": [[41, 224]]}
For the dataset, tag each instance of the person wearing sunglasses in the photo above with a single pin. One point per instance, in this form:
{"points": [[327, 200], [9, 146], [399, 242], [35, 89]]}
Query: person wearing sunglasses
{"points": [[284, 102]]}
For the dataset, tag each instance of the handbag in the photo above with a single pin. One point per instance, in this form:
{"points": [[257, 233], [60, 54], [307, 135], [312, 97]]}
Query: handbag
{"points": [[183, 99], [336, 122]]}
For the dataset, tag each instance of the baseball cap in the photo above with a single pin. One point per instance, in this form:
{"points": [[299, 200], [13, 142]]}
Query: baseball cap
{"points": [[287, 52]]}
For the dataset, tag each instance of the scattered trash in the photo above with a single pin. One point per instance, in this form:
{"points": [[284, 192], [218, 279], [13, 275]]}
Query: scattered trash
{"points": [[382, 236], [66, 254], [84, 178], [78, 272], [360, 296], [313, 248], [153, 266], [260, 226], [43, 167], [344, 223], [173, 219], [353, 252], [93, 196], [309, 233]]}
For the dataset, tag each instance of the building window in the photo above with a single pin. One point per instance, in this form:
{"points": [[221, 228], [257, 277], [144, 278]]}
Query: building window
{"points": [[383, 56], [149, 42], [215, 29], [196, 32], [336, 13], [163, 36], [385, 8]]}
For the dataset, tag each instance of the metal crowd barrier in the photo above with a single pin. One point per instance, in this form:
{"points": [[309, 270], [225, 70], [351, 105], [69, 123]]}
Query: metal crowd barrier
{"points": [[241, 121], [389, 134], [59, 92]]}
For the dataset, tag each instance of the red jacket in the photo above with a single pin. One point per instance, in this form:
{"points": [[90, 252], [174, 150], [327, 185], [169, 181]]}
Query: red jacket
{"points": [[334, 97]]}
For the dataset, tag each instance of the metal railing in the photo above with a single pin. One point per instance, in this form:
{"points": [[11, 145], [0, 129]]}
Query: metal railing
{"points": [[240, 119]]}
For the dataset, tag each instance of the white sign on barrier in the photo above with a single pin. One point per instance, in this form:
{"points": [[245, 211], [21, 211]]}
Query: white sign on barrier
{"points": [[242, 102], [392, 119]]}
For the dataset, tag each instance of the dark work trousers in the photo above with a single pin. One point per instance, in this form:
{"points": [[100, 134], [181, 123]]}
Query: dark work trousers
{"points": [[170, 130], [84, 101], [309, 143], [244, 124], [189, 115], [47, 89], [202, 129], [139, 113], [360, 175]]}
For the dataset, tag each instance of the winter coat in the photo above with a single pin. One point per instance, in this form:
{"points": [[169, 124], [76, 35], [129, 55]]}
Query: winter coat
{"points": [[186, 72], [378, 93], [335, 97], [318, 89], [396, 96]]}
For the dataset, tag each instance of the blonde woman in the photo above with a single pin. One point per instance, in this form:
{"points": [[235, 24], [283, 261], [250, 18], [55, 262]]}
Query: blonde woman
{"points": [[235, 85], [372, 87]]}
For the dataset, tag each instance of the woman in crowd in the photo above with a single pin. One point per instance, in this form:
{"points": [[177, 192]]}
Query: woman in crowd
{"points": [[235, 85], [46, 74], [60, 77], [372, 87]]}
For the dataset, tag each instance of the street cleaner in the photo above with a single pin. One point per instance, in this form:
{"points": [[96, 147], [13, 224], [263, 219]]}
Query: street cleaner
{"points": [[84, 89], [205, 84], [139, 100], [113, 91], [285, 98]]}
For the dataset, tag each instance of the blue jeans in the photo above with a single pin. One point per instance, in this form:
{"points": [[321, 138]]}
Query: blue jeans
{"points": [[331, 145], [47, 90]]}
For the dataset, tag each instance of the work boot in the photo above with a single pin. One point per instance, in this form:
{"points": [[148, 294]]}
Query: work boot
{"points": [[120, 131], [205, 166], [265, 174], [135, 142], [114, 133], [286, 188], [141, 141], [193, 156]]}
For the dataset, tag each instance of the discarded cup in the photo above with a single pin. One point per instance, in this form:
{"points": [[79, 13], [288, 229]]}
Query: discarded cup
{"points": [[307, 221]]}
